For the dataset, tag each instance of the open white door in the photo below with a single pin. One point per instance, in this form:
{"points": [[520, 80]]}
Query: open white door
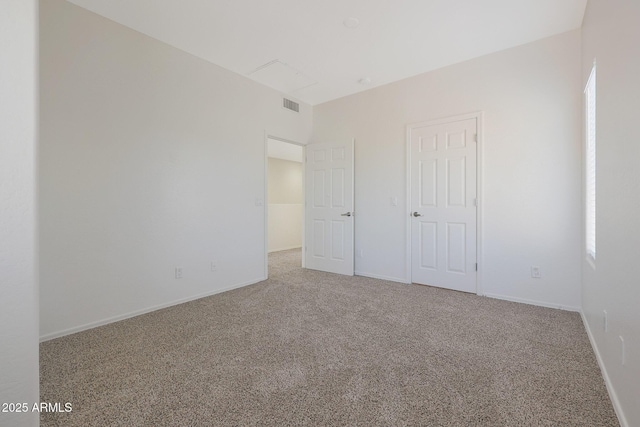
{"points": [[329, 212]]}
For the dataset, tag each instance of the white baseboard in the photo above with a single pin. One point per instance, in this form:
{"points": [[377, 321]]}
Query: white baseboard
{"points": [[612, 392], [285, 248], [533, 302], [378, 276], [117, 318]]}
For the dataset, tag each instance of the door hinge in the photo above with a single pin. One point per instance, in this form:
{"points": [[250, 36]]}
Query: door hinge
{"points": [[475, 137], [475, 202], [476, 266]]}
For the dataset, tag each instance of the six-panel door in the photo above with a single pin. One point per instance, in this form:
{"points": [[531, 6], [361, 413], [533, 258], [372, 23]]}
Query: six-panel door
{"points": [[443, 204], [329, 207]]}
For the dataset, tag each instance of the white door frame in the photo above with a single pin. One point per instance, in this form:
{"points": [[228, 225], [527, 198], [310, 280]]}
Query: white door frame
{"points": [[267, 137], [478, 115]]}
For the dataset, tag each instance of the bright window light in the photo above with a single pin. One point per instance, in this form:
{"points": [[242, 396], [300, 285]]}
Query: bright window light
{"points": [[590, 169]]}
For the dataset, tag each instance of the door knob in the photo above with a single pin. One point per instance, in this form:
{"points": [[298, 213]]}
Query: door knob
{"points": [[346, 214], [416, 214]]}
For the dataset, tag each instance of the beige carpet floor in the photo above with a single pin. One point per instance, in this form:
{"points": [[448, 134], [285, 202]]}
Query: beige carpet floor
{"points": [[307, 348]]}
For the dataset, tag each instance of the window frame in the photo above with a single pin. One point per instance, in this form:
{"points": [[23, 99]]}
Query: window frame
{"points": [[590, 167]]}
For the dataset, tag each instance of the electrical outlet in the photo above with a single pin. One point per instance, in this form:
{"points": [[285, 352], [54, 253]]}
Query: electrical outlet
{"points": [[605, 321], [178, 272], [393, 201], [360, 253], [214, 266], [535, 272], [623, 356]]}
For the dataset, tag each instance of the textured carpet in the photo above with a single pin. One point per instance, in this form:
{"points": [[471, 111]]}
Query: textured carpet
{"points": [[317, 349]]}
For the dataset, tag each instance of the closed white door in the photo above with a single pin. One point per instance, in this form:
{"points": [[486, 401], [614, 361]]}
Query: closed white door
{"points": [[443, 204], [329, 207]]}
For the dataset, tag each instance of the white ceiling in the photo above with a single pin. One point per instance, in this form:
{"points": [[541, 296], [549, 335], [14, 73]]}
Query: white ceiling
{"points": [[284, 150], [315, 58]]}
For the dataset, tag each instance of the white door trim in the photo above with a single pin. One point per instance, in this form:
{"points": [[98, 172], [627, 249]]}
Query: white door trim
{"points": [[267, 137], [479, 116]]}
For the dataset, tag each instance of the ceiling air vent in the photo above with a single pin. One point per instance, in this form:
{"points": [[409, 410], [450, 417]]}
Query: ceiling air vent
{"points": [[290, 105]]}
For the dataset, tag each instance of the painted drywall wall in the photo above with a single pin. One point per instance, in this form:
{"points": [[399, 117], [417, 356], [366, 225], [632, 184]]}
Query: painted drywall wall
{"points": [[18, 278], [530, 199], [610, 35], [151, 159], [285, 226], [285, 181], [285, 204]]}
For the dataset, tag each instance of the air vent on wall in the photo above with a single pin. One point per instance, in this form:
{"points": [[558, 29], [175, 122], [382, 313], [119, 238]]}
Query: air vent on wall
{"points": [[290, 105]]}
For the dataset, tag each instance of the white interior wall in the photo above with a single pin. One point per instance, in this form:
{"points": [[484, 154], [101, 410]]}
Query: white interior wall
{"points": [[284, 204], [132, 128], [284, 150], [18, 278], [530, 197], [610, 35], [150, 159]]}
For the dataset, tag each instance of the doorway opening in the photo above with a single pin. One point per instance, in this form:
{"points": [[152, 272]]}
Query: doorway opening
{"points": [[284, 176]]}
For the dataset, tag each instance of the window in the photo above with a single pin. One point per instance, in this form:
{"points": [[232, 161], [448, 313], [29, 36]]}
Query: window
{"points": [[590, 169]]}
